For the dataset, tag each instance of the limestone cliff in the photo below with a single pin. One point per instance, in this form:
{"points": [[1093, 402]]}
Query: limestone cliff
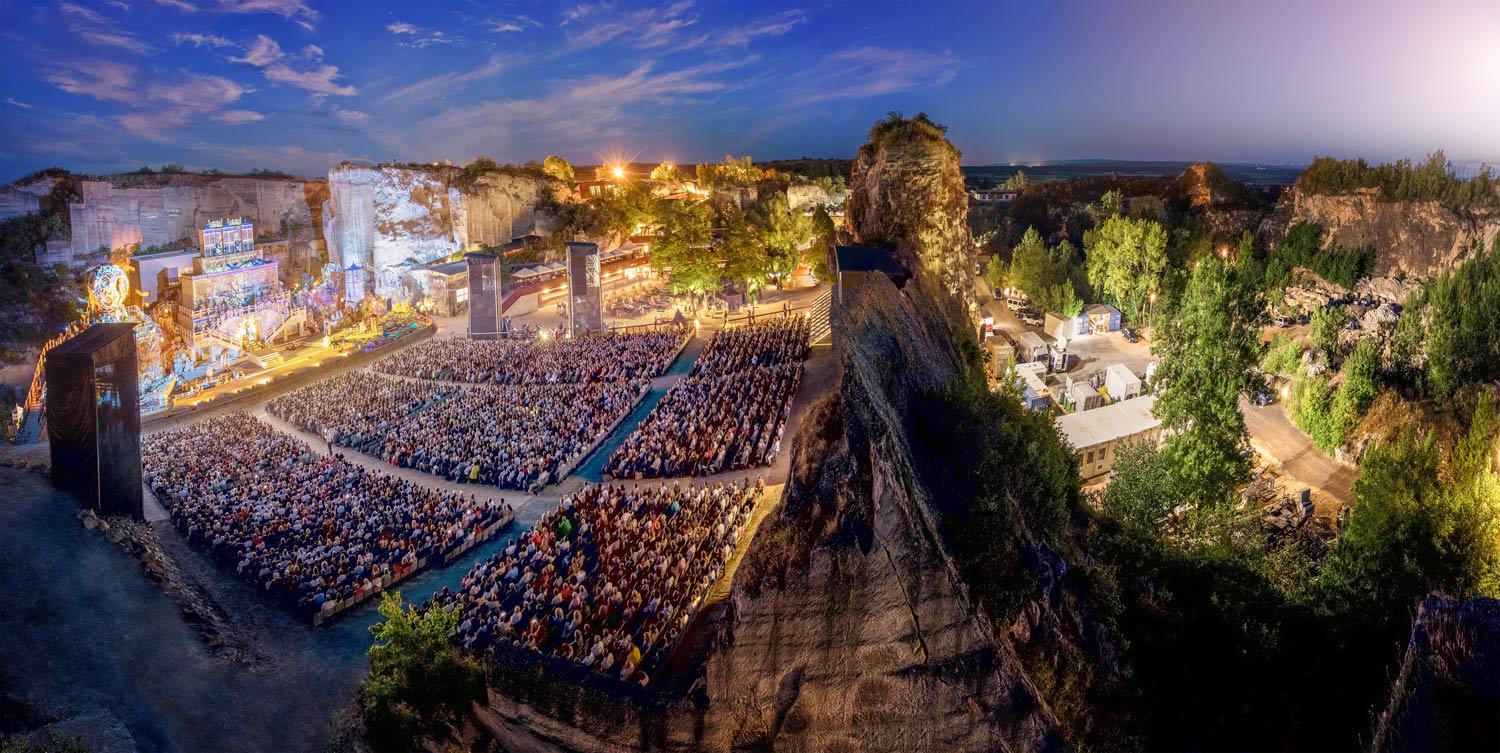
{"points": [[159, 210], [906, 192], [802, 196], [1410, 238], [379, 217]]}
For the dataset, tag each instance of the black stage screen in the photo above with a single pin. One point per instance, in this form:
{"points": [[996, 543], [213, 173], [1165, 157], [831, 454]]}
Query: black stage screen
{"points": [[94, 418]]}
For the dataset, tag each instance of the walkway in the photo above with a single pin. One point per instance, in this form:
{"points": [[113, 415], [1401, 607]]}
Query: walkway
{"points": [[592, 468]]}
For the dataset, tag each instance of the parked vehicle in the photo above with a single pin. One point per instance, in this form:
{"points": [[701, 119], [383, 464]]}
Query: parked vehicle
{"points": [[1129, 335], [1015, 304], [1303, 319], [1282, 322], [1030, 319]]}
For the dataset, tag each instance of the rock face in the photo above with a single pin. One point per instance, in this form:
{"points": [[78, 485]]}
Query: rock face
{"points": [[909, 194], [802, 196], [1448, 691], [19, 198], [1410, 238], [378, 217], [163, 209]]}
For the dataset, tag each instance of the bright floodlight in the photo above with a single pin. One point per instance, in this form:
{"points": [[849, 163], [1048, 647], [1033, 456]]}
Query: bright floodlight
{"points": [[619, 171]]}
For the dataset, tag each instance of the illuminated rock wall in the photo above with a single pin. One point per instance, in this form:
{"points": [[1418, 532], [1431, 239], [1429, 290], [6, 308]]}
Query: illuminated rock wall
{"points": [[381, 217]]}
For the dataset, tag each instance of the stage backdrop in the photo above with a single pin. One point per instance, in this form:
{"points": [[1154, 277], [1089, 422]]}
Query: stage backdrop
{"points": [[484, 295], [94, 418]]}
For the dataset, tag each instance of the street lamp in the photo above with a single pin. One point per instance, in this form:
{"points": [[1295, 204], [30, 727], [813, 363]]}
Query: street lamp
{"points": [[619, 171]]}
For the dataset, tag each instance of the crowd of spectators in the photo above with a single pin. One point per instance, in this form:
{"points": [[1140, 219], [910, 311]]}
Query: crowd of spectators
{"points": [[587, 358], [728, 413], [608, 579], [312, 531], [511, 436]]}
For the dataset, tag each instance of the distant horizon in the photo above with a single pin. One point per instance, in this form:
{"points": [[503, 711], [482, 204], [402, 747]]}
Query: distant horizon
{"points": [[1464, 168], [300, 85]]}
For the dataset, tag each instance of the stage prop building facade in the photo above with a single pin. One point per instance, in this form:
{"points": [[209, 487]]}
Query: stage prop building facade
{"points": [[233, 296], [94, 418]]}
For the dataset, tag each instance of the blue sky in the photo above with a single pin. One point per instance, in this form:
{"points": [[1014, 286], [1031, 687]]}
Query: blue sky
{"points": [[100, 85]]}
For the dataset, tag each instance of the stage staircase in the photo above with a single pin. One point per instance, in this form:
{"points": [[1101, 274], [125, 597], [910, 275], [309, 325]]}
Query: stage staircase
{"points": [[820, 327]]}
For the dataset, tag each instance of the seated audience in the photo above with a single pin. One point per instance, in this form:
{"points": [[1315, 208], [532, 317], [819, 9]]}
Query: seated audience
{"points": [[728, 413], [609, 579], [314, 532]]}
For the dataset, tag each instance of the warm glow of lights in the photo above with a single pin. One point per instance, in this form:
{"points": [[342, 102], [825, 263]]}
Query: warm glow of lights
{"points": [[619, 171], [1285, 391]]}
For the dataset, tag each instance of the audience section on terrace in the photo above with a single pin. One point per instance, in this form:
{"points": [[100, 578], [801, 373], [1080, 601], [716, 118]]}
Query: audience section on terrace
{"points": [[730, 411], [512, 436], [315, 533], [609, 579], [587, 358]]}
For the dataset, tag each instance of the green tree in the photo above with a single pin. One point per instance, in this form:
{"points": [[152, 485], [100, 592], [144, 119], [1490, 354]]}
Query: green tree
{"points": [[681, 248], [996, 272], [666, 172], [173, 167], [417, 678], [1463, 339], [1324, 328], [1125, 262], [782, 232], [1414, 531], [1030, 264], [743, 248], [1208, 349], [558, 168], [1142, 488]]}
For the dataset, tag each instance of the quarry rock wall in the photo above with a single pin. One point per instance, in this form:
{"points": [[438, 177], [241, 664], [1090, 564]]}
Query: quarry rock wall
{"points": [[19, 198], [379, 217], [1410, 238], [802, 196], [165, 209]]}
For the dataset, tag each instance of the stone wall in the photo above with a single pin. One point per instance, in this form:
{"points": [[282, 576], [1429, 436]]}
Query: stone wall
{"points": [[162, 210], [19, 198]]}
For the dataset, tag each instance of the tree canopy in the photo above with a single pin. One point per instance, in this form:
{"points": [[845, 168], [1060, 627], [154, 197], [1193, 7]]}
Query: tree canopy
{"points": [[1207, 350], [1126, 258], [558, 168]]}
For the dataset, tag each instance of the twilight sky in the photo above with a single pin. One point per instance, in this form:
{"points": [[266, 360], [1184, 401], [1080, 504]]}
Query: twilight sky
{"points": [[105, 85]]}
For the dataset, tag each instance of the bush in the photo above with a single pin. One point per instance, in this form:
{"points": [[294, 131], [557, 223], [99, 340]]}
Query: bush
{"points": [[1324, 328], [1283, 355], [417, 680]]}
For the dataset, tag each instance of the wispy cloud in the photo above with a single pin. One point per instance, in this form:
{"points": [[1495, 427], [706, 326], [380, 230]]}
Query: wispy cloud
{"points": [[200, 40], [445, 83], [516, 23], [774, 26], [350, 116], [579, 113], [158, 107], [101, 79], [92, 26], [595, 24], [867, 71], [304, 71], [418, 37], [236, 117], [13, 103], [297, 11]]}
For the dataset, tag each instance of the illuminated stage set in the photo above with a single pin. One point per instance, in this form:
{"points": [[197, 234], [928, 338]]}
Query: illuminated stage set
{"points": [[225, 313]]}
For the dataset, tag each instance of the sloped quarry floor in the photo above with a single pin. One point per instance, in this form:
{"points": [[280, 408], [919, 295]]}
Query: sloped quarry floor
{"points": [[95, 645]]}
